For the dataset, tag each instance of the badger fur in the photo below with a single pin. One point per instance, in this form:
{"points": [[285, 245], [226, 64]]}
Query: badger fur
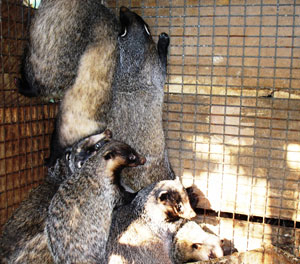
{"points": [[192, 243], [23, 238], [79, 215], [60, 32], [142, 231], [71, 56], [138, 90]]}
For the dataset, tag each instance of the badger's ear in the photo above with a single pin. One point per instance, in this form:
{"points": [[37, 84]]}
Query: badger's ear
{"points": [[108, 155], [163, 196], [177, 179], [68, 160], [68, 152], [196, 245], [108, 133], [91, 140]]}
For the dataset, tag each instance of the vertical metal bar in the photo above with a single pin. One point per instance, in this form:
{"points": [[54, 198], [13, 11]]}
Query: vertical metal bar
{"points": [[297, 209], [242, 82], [256, 115], [224, 112], [240, 110], [269, 186], [181, 167], [196, 96], [5, 192], [17, 104], [167, 85], [210, 99]]}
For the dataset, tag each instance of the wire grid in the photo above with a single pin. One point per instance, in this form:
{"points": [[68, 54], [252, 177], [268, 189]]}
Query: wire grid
{"points": [[25, 124], [231, 113]]}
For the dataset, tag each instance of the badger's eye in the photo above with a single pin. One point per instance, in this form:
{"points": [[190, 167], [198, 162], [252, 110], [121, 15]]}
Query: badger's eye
{"points": [[79, 164], [132, 157], [179, 206], [124, 34], [97, 146], [147, 30]]}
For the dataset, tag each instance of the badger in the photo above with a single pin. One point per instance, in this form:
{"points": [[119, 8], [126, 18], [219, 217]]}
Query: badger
{"points": [[142, 231], [191, 243], [135, 116], [79, 215], [59, 34], [23, 239]]}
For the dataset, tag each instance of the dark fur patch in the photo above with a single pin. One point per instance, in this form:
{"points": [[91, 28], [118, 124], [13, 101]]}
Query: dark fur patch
{"points": [[172, 201]]}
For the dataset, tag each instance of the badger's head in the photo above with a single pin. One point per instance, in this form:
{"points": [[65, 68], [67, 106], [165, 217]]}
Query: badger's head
{"points": [[119, 155], [192, 243], [140, 61], [84, 149], [165, 204]]}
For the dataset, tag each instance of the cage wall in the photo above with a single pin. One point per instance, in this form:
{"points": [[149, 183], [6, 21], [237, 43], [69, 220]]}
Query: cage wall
{"points": [[231, 112], [25, 124]]}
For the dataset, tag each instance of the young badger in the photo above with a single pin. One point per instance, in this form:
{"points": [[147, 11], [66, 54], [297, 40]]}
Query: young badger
{"points": [[138, 91], [192, 243], [60, 32], [142, 231], [23, 239], [79, 215]]}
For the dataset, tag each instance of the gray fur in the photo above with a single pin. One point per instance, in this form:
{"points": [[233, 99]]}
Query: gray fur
{"points": [[23, 237], [86, 52], [60, 33], [27, 222], [80, 212], [138, 90], [142, 232], [34, 251]]}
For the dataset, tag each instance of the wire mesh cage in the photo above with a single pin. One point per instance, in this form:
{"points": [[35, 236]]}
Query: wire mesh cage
{"points": [[231, 112], [25, 124]]}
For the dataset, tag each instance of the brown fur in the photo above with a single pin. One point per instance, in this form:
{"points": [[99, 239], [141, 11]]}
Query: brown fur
{"points": [[80, 212], [142, 231], [23, 234], [91, 58], [84, 106], [26, 223], [35, 252], [60, 32]]}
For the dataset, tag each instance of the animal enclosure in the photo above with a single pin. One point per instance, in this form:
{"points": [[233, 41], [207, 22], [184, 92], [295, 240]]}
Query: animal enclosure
{"points": [[231, 113]]}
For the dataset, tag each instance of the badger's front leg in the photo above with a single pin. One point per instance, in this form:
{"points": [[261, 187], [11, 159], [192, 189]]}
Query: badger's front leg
{"points": [[162, 47]]}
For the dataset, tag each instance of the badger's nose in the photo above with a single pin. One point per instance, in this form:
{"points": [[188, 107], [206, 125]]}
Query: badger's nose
{"points": [[188, 213], [192, 214], [123, 9], [212, 255], [143, 160]]}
